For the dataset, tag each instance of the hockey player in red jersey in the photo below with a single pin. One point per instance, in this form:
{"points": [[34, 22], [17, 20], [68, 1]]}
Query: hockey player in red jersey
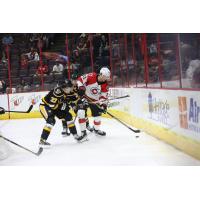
{"points": [[94, 88]]}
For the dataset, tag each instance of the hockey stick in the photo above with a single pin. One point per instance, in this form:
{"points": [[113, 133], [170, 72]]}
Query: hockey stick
{"points": [[134, 130], [28, 111], [119, 97], [96, 102], [37, 153]]}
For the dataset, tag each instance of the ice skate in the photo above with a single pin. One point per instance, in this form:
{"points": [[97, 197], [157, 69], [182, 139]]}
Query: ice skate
{"points": [[89, 128], [44, 144], [65, 133], [81, 138], [99, 132]]}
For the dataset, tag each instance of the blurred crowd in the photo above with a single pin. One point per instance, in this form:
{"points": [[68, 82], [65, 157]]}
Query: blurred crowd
{"points": [[42, 57]]}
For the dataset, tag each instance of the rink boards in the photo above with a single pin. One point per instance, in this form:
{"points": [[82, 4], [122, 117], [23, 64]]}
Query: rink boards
{"points": [[170, 115]]}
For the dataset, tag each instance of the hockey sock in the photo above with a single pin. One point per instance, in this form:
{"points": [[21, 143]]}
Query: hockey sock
{"points": [[82, 123], [72, 127], [82, 120], [97, 122], [65, 126], [64, 123], [46, 131]]}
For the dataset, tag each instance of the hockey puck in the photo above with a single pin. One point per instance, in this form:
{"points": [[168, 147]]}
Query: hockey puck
{"points": [[137, 136]]}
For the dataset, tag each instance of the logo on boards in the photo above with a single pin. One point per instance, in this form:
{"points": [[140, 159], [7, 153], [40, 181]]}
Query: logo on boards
{"points": [[189, 114], [158, 109]]}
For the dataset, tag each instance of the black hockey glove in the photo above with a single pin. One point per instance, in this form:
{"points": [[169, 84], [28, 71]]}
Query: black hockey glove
{"points": [[2, 111], [81, 91], [82, 103], [104, 108]]}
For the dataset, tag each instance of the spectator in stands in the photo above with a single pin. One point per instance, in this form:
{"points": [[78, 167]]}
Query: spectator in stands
{"points": [[196, 78], [34, 39], [188, 53], [81, 47], [2, 87], [7, 40], [193, 74], [57, 68], [24, 61], [66, 70], [51, 37], [81, 53], [42, 70], [97, 41], [45, 41], [84, 36], [104, 47], [4, 60], [23, 86], [33, 56]]}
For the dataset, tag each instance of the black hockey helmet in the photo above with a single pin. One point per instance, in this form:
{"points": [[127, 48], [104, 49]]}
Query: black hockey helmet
{"points": [[74, 76], [65, 83]]}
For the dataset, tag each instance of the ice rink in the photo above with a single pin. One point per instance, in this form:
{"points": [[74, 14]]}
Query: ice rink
{"points": [[119, 147]]}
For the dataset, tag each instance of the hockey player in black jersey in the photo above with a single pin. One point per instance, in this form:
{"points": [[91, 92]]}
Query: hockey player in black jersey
{"points": [[56, 104], [76, 103], [71, 98]]}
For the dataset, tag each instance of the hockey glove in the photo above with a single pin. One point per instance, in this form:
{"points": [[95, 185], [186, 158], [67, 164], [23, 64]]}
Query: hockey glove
{"points": [[74, 107], [82, 103], [85, 102], [2, 111], [81, 91], [104, 108]]}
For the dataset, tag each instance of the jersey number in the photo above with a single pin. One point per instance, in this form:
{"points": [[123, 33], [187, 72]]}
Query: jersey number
{"points": [[53, 99]]}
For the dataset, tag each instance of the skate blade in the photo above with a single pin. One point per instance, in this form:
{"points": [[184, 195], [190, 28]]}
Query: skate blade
{"points": [[83, 140], [65, 135], [44, 146], [90, 130], [100, 135]]}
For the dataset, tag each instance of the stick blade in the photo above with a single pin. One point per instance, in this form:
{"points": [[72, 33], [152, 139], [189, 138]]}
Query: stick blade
{"points": [[39, 151], [30, 108], [134, 130]]}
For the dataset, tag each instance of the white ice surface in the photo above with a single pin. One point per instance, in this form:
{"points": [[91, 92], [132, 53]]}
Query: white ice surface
{"points": [[119, 147]]}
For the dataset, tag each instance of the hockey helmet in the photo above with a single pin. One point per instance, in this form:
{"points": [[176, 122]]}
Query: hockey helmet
{"points": [[65, 83], [105, 72]]}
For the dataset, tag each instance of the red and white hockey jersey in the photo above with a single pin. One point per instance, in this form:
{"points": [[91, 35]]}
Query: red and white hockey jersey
{"points": [[93, 90]]}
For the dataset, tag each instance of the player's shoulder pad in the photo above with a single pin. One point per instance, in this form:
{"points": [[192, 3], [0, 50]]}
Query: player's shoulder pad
{"points": [[58, 92]]}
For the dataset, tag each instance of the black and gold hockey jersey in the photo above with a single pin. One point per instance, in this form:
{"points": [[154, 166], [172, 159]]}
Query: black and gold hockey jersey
{"points": [[73, 97], [56, 98]]}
